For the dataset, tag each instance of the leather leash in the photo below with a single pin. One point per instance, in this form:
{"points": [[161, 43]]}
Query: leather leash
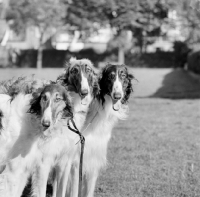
{"points": [[82, 140]]}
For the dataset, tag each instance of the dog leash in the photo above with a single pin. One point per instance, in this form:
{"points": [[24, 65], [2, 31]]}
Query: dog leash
{"points": [[82, 140]]}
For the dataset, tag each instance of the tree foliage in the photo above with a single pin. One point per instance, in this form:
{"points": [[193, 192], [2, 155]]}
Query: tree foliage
{"points": [[189, 13], [142, 17], [42, 14], [46, 15]]}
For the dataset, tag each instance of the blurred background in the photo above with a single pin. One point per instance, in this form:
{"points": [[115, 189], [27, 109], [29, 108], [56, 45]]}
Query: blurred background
{"points": [[139, 33]]}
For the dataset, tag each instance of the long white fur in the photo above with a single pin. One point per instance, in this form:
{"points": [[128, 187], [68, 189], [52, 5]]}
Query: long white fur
{"points": [[13, 113], [98, 126], [35, 154], [15, 130], [80, 112]]}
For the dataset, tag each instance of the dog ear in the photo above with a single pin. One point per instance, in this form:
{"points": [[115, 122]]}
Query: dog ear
{"points": [[35, 107], [68, 110], [103, 82], [63, 79], [96, 89], [129, 88]]}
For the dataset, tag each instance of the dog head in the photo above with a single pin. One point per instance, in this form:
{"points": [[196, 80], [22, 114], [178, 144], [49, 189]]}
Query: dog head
{"points": [[80, 78], [51, 103], [116, 83]]}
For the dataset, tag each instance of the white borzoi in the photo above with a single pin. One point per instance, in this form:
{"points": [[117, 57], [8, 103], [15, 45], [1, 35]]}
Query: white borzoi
{"points": [[11, 110], [11, 132], [35, 146], [82, 82], [115, 89]]}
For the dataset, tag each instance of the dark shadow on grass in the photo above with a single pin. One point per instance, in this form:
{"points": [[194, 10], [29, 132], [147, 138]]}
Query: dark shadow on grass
{"points": [[179, 84]]}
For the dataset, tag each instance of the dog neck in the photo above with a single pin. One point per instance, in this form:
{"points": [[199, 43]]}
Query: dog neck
{"points": [[81, 107]]}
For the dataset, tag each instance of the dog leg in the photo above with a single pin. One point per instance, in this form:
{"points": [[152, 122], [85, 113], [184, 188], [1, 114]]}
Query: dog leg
{"points": [[72, 185], [90, 184], [11, 176], [23, 181], [40, 180], [64, 179], [55, 186]]}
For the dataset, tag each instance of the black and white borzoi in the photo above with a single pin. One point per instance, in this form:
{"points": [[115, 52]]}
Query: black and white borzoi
{"points": [[82, 82], [115, 89]]}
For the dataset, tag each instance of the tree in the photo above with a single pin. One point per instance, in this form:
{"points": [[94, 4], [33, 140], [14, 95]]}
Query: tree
{"points": [[46, 15], [142, 17], [189, 14]]}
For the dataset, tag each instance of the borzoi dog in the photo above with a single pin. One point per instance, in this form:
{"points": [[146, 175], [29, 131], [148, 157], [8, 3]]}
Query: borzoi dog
{"points": [[115, 89], [82, 83], [36, 148], [12, 129], [10, 107]]}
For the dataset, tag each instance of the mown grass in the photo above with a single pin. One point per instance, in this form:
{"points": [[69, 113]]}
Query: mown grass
{"points": [[156, 151]]}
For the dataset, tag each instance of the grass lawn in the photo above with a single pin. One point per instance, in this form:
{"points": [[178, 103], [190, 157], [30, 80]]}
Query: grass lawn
{"points": [[156, 151]]}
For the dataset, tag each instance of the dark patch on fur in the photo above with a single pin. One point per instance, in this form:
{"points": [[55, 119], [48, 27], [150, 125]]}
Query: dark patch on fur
{"points": [[35, 107], [108, 77], [1, 116], [72, 80]]}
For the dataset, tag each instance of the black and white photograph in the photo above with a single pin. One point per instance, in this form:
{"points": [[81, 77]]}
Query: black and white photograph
{"points": [[99, 98]]}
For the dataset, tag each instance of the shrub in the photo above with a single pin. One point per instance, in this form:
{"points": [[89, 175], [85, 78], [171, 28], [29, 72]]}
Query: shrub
{"points": [[194, 62], [181, 51], [56, 58], [150, 60]]}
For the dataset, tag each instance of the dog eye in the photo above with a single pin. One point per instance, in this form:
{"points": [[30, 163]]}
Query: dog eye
{"points": [[88, 70], [44, 98], [74, 71], [112, 76], [58, 99]]}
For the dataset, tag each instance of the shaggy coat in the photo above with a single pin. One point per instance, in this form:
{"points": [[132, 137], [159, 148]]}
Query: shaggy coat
{"points": [[82, 81], [104, 112], [38, 147]]}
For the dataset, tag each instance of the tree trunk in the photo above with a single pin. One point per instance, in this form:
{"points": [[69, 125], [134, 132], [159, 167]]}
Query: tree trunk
{"points": [[40, 51], [121, 55], [39, 57]]}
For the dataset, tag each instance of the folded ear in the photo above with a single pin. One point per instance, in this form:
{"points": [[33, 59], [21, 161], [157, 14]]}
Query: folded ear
{"points": [[95, 84], [129, 88], [35, 107], [96, 89], [63, 79], [68, 110]]}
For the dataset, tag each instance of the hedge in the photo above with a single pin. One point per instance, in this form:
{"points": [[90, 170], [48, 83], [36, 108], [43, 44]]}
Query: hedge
{"points": [[55, 58], [194, 62]]}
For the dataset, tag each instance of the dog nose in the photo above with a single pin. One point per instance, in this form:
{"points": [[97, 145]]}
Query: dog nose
{"points": [[46, 123], [84, 92], [117, 95]]}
